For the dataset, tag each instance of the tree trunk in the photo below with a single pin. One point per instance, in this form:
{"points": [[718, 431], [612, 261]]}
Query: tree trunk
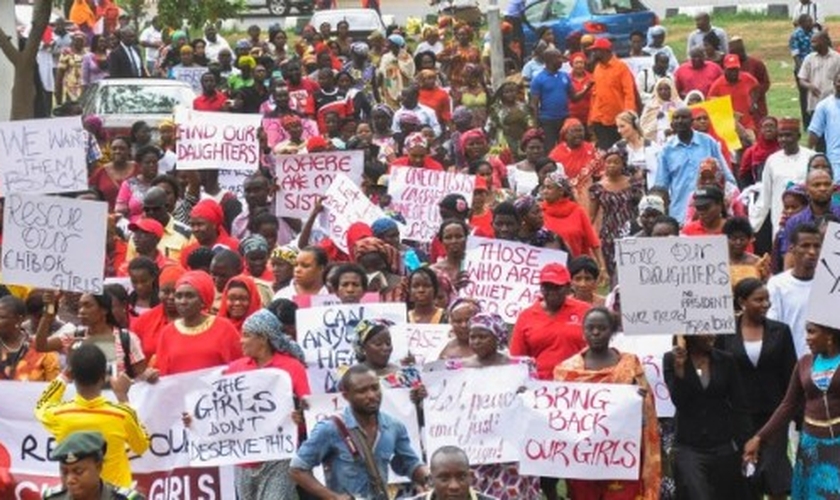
{"points": [[23, 90]]}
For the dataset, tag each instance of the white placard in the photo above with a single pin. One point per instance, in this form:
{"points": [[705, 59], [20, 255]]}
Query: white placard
{"points": [[326, 333], [581, 431], [395, 402], [650, 350], [234, 181], [476, 409], [675, 285], [345, 204], [302, 178], [242, 418], [52, 242], [825, 289], [505, 275], [43, 156], [217, 141], [424, 342], [415, 194], [190, 75]]}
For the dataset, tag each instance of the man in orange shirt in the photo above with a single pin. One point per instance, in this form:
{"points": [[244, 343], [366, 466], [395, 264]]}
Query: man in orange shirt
{"points": [[614, 92], [741, 86]]}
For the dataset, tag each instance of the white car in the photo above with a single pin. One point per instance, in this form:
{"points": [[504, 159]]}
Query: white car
{"points": [[122, 101]]}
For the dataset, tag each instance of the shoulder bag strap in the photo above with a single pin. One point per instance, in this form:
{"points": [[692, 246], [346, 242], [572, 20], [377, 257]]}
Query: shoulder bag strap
{"points": [[125, 342], [359, 448]]}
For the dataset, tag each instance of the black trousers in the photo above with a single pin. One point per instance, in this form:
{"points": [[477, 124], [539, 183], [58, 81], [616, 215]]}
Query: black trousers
{"points": [[708, 475], [551, 128], [605, 135]]}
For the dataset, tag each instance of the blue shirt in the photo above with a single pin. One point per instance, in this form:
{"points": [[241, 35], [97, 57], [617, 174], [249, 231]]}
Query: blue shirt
{"points": [[532, 68], [800, 43], [553, 89], [347, 474], [806, 215], [826, 123], [679, 165]]}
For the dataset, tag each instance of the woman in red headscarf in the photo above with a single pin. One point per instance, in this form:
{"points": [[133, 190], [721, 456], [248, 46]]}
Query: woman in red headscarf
{"points": [[148, 325], [766, 143], [208, 230], [196, 340], [702, 123], [710, 174], [580, 79], [240, 299], [476, 149], [416, 148], [379, 259], [579, 159]]}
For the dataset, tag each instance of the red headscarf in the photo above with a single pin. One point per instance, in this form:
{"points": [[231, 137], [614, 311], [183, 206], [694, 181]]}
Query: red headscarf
{"points": [[471, 135], [574, 160], [211, 211], [171, 275], [254, 303], [698, 112], [357, 231], [203, 284]]}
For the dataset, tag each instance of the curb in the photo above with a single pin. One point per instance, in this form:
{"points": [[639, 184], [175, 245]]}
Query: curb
{"points": [[769, 9]]}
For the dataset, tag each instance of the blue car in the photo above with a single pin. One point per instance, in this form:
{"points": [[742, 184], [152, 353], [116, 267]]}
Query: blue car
{"points": [[613, 19]]}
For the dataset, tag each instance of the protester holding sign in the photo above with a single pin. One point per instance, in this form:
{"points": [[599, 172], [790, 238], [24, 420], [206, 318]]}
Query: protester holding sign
{"points": [[207, 222], [423, 289], [460, 313], [310, 266], [764, 352], [712, 421], [600, 364], [358, 446], [373, 349]]}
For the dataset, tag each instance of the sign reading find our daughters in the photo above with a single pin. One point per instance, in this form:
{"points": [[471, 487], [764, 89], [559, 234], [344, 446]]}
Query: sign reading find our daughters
{"points": [[675, 285], [241, 418], [476, 409], [56, 243], [505, 275], [416, 192], [581, 431], [301, 179], [826, 285], [326, 333], [217, 141], [43, 156]]}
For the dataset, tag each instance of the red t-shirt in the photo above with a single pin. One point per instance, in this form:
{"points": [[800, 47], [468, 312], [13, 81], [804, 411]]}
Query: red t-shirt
{"points": [[483, 225], [302, 96], [213, 103], [437, 99], [219, 345], [549, 339], [740, 93], [687, 78], [148, 327], [571, 223]]}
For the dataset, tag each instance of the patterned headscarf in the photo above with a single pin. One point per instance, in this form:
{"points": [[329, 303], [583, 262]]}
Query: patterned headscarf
{"points": [[462, 115], [462, 302], [265, 324], [253, 243], [494, 324], [360, 48], [415, 140], [285, 253], [365, 330], [559, 179], [383, 108], [524, 205], [530, 135], [373, 244], [472, 135]]}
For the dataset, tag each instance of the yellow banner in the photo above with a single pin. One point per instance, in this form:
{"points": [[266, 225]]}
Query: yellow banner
{"points": [[722, 117]]}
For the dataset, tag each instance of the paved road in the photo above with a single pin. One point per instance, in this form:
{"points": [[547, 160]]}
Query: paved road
{"points": [[401, 9]]}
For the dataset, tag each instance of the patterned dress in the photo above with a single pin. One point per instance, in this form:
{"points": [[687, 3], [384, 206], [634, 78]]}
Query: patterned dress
{"points": [[71, 63], [617, 209], [27, 364]]}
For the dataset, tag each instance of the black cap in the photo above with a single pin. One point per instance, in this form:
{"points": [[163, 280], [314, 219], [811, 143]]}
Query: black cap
{"points": [[709, 194]]}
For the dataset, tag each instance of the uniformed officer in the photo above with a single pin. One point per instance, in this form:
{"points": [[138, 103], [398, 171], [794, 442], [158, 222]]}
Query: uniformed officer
{"points": [[81, 456]]}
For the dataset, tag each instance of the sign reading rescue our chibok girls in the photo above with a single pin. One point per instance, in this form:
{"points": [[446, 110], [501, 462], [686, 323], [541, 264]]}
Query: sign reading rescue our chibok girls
{"points": [[43, 156], [52, 242], [580, 431], [416, 192], [476, 409], [677, 285], [505, 275], [825, 290], [242, 418], [217, 141], [303, 178], [326, 333], [162, 473], [395, 402]]}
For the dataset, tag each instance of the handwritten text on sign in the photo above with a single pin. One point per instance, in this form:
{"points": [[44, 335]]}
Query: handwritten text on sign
{"points": [[242, 417], [395, 402], [650, 349], [505, 275], [826, 288], [51, 242], [345, 204], [675, 285], [43, 156], [189, 75], [423, 341], [581, 431], [416, 192], [301, 179], [217, 140], [326, 333], [476, 409]]}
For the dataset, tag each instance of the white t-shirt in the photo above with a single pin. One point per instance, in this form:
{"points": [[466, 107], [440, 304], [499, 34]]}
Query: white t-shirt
{"points": [[780, 170], [151, 35], [789, 304]]}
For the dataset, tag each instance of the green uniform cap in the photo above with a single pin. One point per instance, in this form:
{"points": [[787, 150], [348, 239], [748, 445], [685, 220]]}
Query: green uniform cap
{"points": [[79, 445]]}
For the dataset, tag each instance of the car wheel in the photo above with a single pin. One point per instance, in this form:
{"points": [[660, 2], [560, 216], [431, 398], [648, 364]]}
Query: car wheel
{"points": [[279, 7]]}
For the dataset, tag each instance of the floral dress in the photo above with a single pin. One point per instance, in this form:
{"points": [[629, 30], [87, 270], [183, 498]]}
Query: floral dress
{"points": [[71, 63], [506, 125], [618, 208]]}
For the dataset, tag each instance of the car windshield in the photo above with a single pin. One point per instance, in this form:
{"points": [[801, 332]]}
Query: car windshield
{"points": [[615, 6], [138, 99]]}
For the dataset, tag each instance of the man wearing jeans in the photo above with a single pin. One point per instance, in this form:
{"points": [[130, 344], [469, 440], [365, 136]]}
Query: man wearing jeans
{"points": [[551, 91]]}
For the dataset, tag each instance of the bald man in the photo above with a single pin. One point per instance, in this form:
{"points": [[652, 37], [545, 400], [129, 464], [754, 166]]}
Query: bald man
{"points": [[451, 477]]}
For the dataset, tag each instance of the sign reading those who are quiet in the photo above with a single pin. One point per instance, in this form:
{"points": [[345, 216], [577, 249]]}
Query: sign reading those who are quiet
{"points": [[677, 285]]}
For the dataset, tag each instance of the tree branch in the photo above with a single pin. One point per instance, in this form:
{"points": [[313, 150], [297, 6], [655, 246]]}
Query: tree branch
{"points": [[8, 48], [40, 19]]}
